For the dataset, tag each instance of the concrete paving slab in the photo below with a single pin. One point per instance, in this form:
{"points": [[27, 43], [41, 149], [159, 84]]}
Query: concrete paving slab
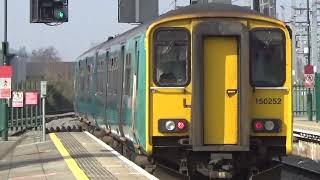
{"points": [[119, 166], [32, 159], [307, 125]]}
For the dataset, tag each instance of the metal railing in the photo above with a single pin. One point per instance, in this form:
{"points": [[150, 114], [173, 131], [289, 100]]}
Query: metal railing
{"points": [[29, 116], [300, 100]]}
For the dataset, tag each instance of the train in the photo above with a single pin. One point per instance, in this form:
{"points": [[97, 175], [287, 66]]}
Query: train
{"points": [[204, 88]]}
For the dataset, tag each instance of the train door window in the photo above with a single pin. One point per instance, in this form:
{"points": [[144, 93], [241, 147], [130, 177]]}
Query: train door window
{"points": [[267, 58], [105, 72], [97, 75], [81, 72], [87, 76], [171, 57], [114, 75], [127, 74], [137, 54], [109, 78], [100, 76], [89, 69]]}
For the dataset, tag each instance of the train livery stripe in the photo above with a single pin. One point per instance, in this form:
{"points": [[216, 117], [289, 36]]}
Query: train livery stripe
{"points": [[72, 164]]}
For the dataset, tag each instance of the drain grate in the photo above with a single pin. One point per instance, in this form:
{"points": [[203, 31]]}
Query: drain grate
{"points": [[87, 162]]}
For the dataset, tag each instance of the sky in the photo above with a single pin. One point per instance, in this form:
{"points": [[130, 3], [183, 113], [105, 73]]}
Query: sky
{"points": [[89, 23]]}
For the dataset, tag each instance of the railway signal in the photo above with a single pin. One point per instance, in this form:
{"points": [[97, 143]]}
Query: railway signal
{"points": [[48, 11]]}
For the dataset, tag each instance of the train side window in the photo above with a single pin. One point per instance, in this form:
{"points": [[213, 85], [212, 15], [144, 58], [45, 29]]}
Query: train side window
{"points": [[171, 58], [267, 58]]}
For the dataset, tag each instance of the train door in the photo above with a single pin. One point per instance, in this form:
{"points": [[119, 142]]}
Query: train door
{"points": [[134, 86], [220, 86], [106, 83], [221, 90], [120, 87]]}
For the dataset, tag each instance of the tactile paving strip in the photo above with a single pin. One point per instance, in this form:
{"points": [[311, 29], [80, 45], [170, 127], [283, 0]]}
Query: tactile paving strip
{"points": [[87, 162]]}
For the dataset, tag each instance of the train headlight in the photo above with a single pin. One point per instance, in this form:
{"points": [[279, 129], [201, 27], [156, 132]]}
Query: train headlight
{"points": [[269, 125], [170, 125], [266, 125]]}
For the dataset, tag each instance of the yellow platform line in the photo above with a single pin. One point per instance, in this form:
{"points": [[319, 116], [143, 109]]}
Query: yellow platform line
{"points": [[72, 164]]}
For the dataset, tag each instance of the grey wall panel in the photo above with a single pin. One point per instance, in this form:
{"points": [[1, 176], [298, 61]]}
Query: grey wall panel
{"points": [[126, 11], [137, 11]]}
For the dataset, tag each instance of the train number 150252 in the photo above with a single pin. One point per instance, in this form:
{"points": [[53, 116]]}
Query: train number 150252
{"points": [[268, 100]]}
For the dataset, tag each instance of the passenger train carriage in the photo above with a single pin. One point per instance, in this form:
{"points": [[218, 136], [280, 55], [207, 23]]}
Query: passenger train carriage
{"points": [[198, 85]]}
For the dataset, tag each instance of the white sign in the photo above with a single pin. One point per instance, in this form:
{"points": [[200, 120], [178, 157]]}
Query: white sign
{"points": [[43, 88], [309, 80], [305, 50], [5, 88], [17, 99]]}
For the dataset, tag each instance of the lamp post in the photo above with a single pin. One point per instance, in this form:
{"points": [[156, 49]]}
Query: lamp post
{"points": [[3, 104], [5, 47], [309, 95]]}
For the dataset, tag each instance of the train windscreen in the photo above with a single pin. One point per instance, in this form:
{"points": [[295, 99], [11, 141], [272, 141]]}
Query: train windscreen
{"points": [[171, 57], [267, 58]]}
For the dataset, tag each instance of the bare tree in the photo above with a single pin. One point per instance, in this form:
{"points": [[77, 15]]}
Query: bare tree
{"points": [[48, 55], [22, 52]]}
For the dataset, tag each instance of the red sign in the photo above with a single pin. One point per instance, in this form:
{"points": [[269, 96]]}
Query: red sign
{"points": [[308, 76], [308, 69], [5, 82], [5, 71], [31, 98]]}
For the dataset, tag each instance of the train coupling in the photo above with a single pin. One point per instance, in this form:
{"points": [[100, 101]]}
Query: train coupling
{"points": [[217, 170]]}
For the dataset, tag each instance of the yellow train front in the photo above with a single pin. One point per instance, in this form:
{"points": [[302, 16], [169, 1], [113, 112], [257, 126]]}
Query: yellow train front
{"points": [[218, 89]]}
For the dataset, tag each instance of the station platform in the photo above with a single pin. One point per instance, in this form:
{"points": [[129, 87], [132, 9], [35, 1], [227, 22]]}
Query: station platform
{"points": [[310, 127], [65, 155]]}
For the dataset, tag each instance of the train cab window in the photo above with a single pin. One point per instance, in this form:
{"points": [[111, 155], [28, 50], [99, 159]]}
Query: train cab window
{"points": [[267, 58], [171, 57]]}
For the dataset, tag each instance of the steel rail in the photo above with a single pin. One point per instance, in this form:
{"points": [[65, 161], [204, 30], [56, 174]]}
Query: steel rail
{"points": [[308, 135], [303, 169]]}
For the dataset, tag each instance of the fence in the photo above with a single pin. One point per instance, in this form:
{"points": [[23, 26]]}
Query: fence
{"points": [[28, 116], [300, 100]]}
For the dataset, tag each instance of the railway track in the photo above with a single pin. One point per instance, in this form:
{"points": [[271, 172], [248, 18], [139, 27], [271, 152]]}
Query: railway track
{"points": [[65, 122], [294, 171], [165, 172], [306, 135]]}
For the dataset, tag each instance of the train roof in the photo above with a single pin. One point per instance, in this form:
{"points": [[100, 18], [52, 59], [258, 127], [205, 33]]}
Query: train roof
{"points": [[208, 8], [214, 10], [192, 11]]}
